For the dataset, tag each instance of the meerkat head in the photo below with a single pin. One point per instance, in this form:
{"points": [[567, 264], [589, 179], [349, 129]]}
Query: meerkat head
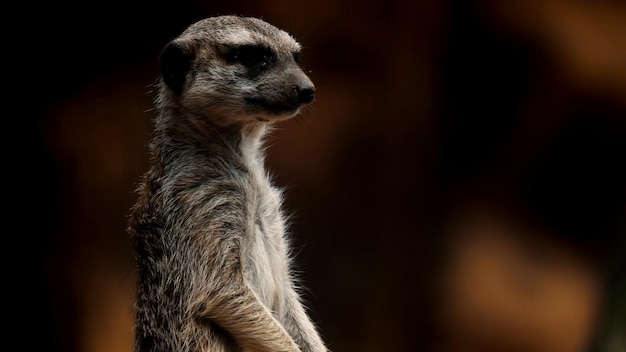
{"points": [[235, 69]]}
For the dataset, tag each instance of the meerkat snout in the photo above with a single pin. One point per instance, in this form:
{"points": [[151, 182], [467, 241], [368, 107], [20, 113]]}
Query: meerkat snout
{"points": [[280, 91], [305, 92]]}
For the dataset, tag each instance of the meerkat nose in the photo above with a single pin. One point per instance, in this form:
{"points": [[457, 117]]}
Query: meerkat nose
{"points": [[305, 94]]}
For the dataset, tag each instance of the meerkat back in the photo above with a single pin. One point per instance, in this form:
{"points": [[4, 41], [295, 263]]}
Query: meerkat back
{"points": [[212, 252]]}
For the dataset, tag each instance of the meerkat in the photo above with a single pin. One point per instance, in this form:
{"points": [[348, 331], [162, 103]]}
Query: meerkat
{"points": [[211, 242]]}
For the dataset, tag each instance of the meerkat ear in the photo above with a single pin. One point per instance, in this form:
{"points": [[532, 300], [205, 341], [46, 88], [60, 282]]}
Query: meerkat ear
{"points": [[175, 62]]}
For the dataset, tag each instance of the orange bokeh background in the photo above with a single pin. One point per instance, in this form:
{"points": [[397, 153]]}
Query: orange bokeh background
{"points": [[458, 185]]}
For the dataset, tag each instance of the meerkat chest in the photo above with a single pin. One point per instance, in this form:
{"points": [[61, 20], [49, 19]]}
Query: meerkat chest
{"points": [[265, 255], [266, 262]]}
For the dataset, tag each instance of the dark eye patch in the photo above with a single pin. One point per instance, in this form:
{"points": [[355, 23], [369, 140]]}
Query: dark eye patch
{"points": [[252, 56], [296, 56]]}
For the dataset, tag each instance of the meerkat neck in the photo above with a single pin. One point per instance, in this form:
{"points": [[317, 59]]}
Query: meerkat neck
{"points": [[188, 133], [252, 147]]}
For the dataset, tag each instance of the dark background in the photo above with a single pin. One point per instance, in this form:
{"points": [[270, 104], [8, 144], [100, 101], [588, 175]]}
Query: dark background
{"points": [[458, 184]]}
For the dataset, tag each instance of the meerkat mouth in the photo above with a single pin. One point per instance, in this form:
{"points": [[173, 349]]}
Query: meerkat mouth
{"points": [[273, 108]]}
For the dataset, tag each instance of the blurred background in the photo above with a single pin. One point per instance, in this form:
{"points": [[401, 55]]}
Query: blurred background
{"points": [[458, 185]]}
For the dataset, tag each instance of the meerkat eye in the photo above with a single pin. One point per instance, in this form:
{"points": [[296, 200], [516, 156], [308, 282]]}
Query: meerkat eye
{"points": [[296, 56], [251, 56]]}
